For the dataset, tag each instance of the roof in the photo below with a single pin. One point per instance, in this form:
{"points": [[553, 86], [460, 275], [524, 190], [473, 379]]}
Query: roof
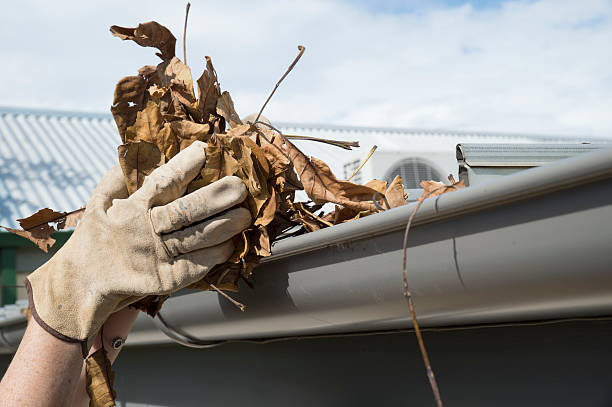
{"points": [[55, 158]]}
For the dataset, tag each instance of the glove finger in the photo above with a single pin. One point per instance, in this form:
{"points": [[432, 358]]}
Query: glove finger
{"points": [[191, 267], [169, 181], [208, 233], [198, 205], [111, 186]]}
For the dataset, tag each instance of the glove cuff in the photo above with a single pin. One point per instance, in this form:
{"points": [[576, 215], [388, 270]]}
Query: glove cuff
{"points": [[84, 343]]}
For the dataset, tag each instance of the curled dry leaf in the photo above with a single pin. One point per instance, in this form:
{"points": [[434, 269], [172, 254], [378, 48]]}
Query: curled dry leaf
{"points": [[149, 34], [36, 227], [322, 186], [225, 108], [395, 193], [100, 380], [435, 188], [137, 160]]}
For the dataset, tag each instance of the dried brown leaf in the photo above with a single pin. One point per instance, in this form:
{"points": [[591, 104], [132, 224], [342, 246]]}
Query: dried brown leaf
{"points": [[435, 188], [128, 100], [261, 242], [225, 108], [137, 160], [187, 132], [40, 236], [268, 211], [36, 227], [395, 193], [378, 185], [208, 90], [151, 34], [100, 380], [150, 127], [322, 186]]}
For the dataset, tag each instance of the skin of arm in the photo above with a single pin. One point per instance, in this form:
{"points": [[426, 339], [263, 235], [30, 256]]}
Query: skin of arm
{"points": [[49, 372]]}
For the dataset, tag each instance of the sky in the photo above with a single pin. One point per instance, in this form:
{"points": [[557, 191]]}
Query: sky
{"points": [[508, 66]]}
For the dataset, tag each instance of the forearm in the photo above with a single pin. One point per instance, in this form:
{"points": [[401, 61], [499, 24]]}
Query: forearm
{"points": [[44, 371]]}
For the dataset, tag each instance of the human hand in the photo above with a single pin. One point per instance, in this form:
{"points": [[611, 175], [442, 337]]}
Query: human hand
{"points": [[154, 242]]}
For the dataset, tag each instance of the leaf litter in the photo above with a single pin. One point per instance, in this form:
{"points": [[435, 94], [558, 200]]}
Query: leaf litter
{"points": [[158, 114]]}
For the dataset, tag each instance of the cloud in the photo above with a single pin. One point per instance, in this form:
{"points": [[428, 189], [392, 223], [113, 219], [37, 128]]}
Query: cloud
{"points": [[524, 66]]}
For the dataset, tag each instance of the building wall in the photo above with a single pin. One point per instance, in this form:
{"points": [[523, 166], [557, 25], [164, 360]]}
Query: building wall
{"points": [[562, 364]]}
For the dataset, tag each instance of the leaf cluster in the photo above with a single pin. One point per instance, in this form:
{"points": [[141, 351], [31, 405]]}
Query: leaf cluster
{"points": [[158, 114]]}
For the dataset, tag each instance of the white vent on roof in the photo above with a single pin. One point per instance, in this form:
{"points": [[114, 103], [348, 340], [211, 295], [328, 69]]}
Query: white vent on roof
{"points": [[413, 171]]}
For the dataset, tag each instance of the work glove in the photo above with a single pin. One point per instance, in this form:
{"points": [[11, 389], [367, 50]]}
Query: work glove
{"points": [[125, 248]]}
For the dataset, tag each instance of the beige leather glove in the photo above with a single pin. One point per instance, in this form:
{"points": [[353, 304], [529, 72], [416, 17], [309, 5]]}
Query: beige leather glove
{"points": [[125, 248]]}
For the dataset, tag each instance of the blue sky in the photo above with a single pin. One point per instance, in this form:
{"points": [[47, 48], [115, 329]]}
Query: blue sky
{"points": [[537, 66], [415, 6]]}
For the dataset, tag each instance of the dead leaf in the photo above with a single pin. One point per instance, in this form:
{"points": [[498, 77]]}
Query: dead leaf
{"points": [[208, 90], [225, 108], [378, 185], [100, 380], [395, 193], [128, 100], [150, 127], [268, 211], [41, 236], [137, 160], [276, 156], [36, 227], [435, 188], [322, 186], [261, 244], [187, 132], [150, 304], [151, 34]]}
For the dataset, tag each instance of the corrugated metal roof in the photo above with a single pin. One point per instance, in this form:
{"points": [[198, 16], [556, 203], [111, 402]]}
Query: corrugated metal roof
{"points": [[55, 158]]}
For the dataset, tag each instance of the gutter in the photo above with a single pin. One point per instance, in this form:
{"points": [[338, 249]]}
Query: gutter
{"points": [[531, 246]]}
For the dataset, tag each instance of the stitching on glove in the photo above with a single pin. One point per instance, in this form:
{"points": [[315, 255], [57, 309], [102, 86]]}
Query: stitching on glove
{"points": [[152, 226]]}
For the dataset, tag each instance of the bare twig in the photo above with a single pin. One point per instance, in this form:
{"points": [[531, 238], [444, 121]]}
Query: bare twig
{"points": [[408, 295], [363, 163], [241, 306], [295, 61], [323, 221], [185, 33], [342, 144]]}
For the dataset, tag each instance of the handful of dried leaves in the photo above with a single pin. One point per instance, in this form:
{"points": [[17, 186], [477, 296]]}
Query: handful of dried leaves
{"points": [[158, 114]]}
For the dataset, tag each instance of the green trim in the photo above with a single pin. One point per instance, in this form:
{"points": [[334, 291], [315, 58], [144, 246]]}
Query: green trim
{"points": [[8, 263], [8, 239]]}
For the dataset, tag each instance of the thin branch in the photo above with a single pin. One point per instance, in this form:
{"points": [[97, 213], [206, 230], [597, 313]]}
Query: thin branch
{"points": [[295, 61], [364, 161], [323, 221], [408, 295], [342, 144], [185, 33], [242, 307]]}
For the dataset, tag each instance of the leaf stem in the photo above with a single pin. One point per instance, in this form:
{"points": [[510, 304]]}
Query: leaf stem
{"points": [[408, 295], [241, 306], [364, 161], [187, 7], [295, 61], [342, 144]]}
